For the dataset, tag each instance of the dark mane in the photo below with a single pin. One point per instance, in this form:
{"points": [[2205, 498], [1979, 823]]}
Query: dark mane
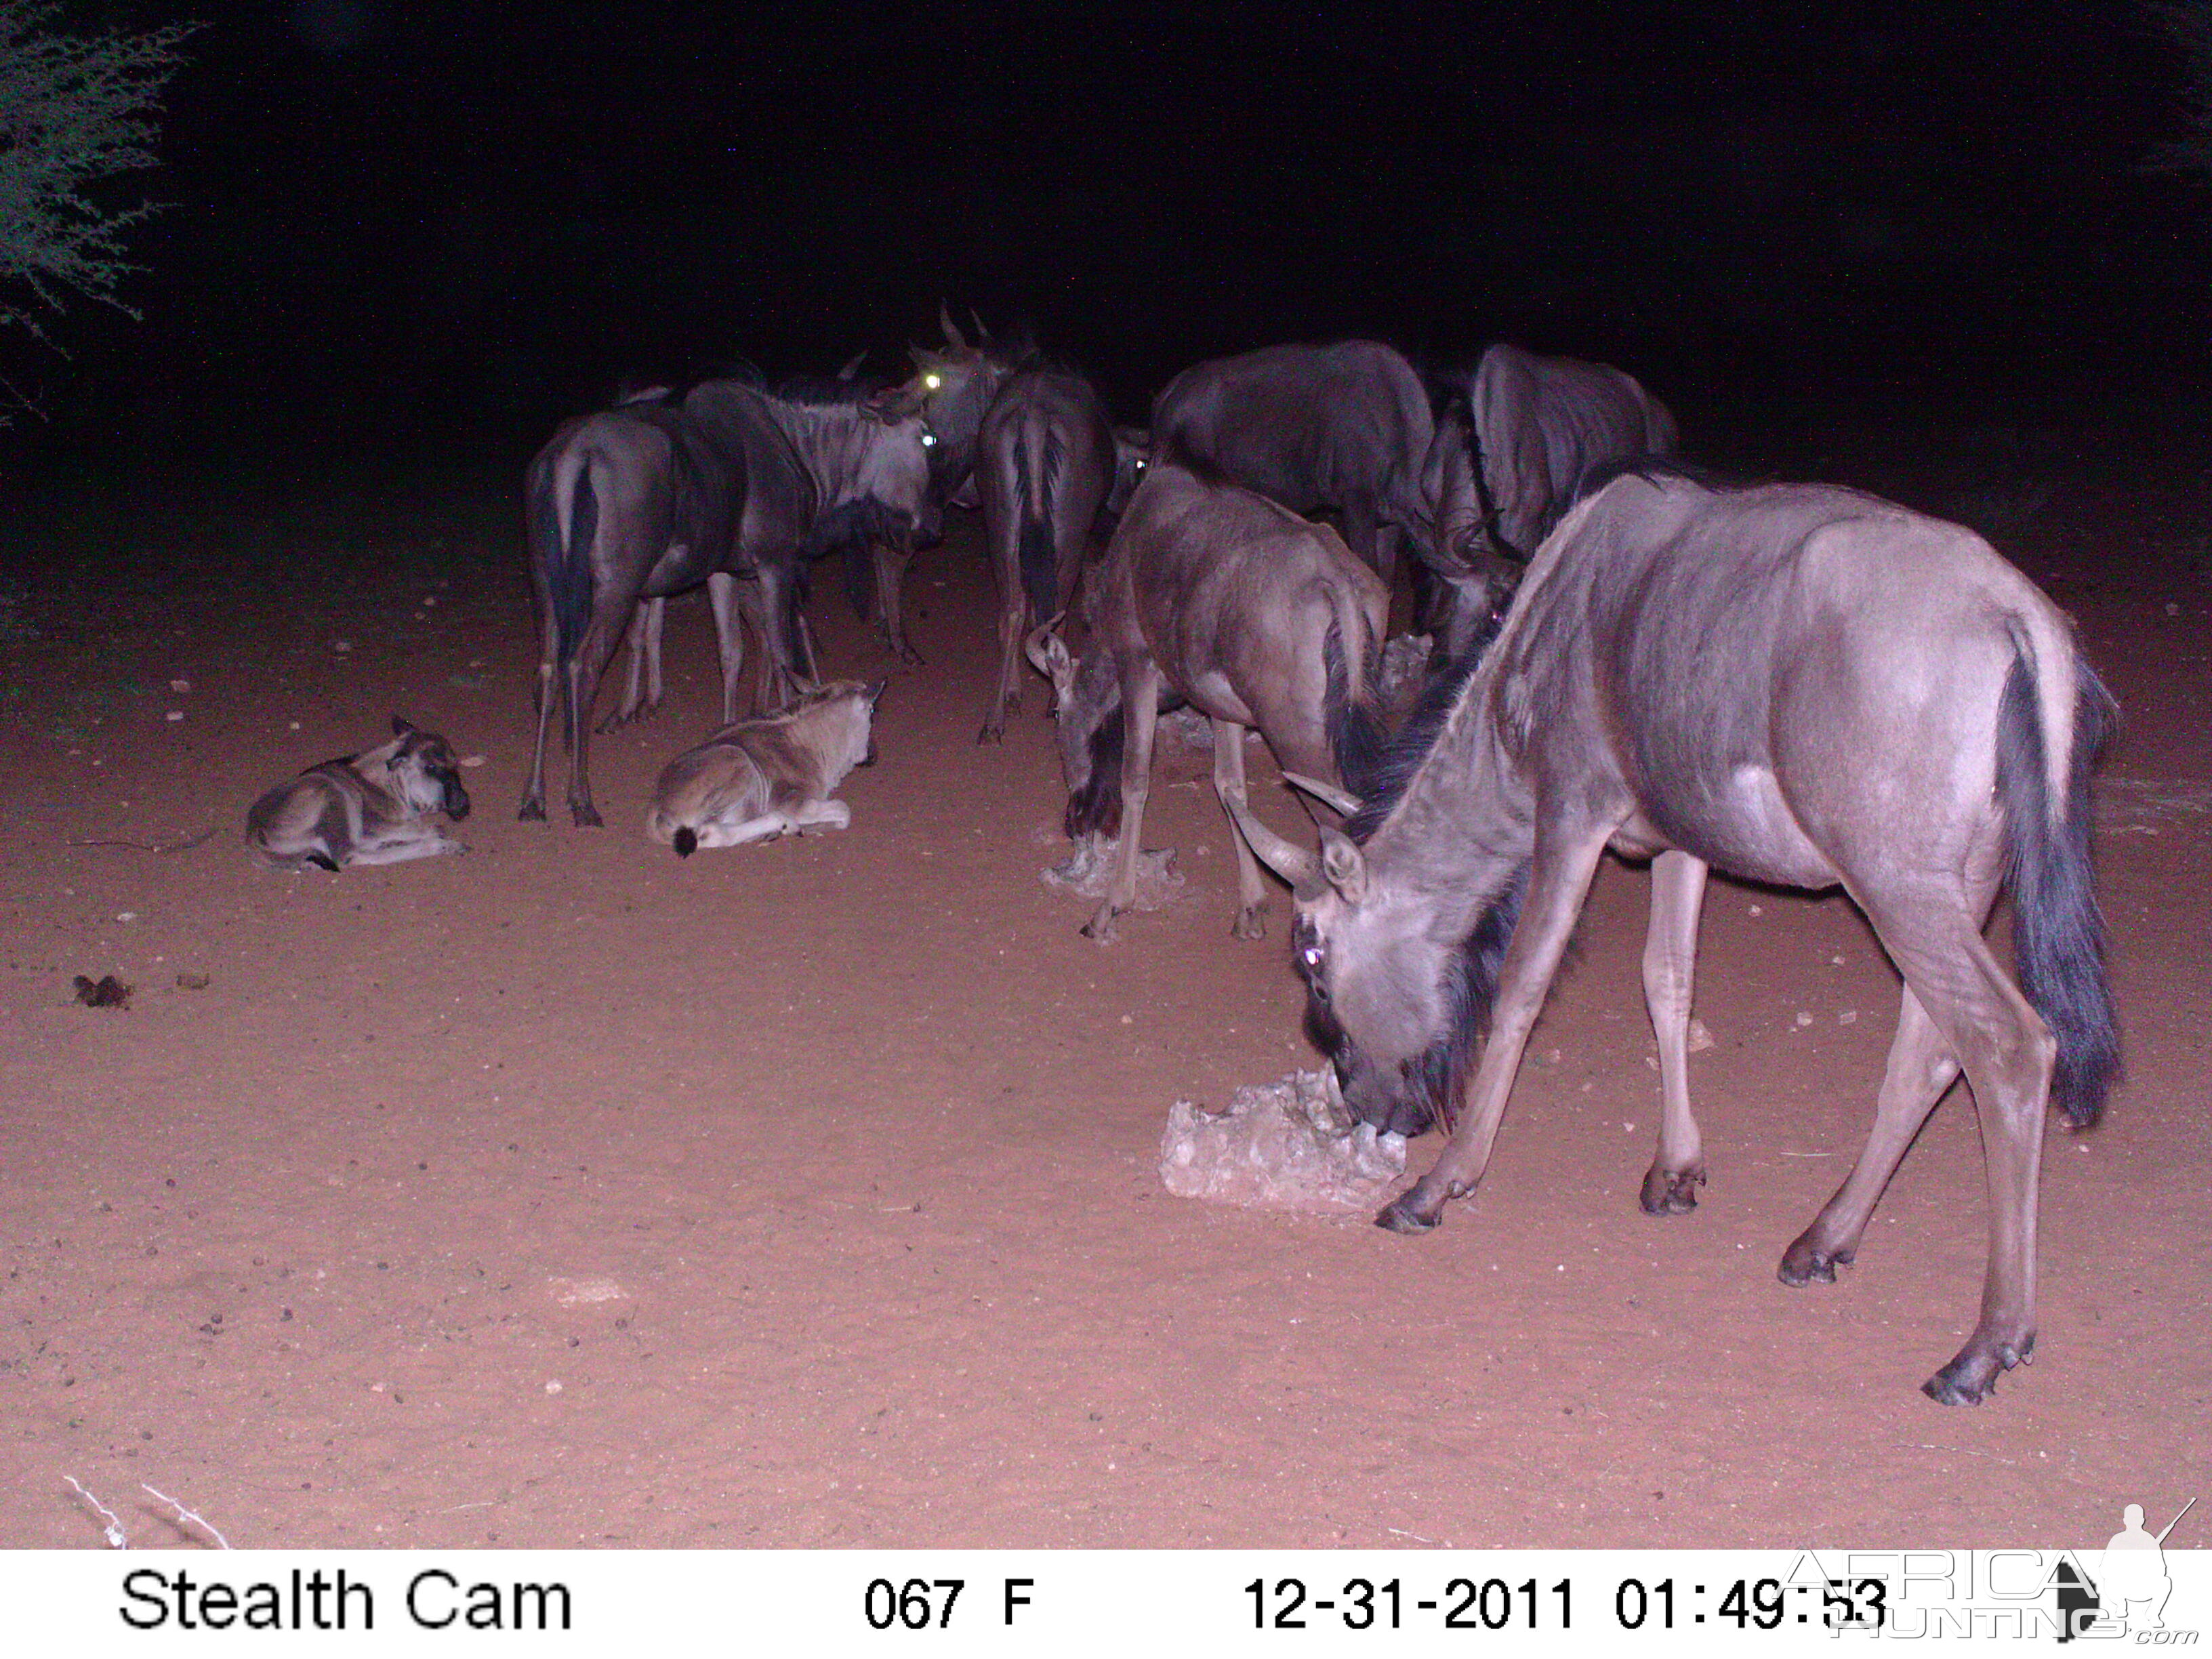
{"points": [[826, 391], [1393, 770], [1652, 469], [1470, 990]]}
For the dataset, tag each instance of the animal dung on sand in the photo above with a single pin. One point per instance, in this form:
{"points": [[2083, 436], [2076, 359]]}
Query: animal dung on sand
{"points": [[1289, 1145]]}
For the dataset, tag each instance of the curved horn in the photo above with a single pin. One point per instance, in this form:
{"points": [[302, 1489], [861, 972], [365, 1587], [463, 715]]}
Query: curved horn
{"points": [[1035, 643], [983, 334], [1341, 801], [1294, 864]]}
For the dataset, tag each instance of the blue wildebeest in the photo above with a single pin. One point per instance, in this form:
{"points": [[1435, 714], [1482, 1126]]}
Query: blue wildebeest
{"points": [[1239, 607], [1537, 426], [1048, 463], [651, 498], [1796, 685], [1345, 429]]}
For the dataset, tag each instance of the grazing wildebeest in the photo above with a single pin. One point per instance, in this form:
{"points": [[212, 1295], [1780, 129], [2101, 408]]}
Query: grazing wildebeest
{"points": [[370, 808], [651, 498], [1344, 429], [1537, 428], [1047, 464], [1248, 612], [1796, 684], [772, 775]]}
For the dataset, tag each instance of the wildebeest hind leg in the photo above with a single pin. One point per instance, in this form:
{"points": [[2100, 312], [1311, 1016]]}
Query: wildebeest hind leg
{"points": [[2008, 1054], [1558, 881], [1921, 1067], [890, 587], [1229, 784], [1670, 952]]}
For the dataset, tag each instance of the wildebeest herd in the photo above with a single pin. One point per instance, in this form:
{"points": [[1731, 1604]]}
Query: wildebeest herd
{"points": [[1792, 683]]}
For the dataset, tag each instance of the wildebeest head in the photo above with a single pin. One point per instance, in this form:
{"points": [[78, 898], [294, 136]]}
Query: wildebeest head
{"points": [[425, 772], [1480, 572], [1087, 721], [952, 386], [838, 722], [897, 475], [1392, 998]]}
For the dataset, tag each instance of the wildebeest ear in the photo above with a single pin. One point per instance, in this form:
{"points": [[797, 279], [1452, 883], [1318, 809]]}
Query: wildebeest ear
{"points": [[1048, 654], [853, 368], [1342, 863], [952, 336], [876, 690], [400, 728]]}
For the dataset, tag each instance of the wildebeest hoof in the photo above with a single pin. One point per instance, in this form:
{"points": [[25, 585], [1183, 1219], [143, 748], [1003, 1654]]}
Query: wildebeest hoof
{"points": [[1671, 1192], [532, 811], [991, 734], [586, 818], [1803, 1263], [1972, 1377], [1402, 1215], [1248, 924], [1101, 927]]}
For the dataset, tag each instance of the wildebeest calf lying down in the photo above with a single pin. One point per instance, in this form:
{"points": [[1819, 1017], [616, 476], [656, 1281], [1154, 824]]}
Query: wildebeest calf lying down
{"points": [[369, 808], [769, 776]]}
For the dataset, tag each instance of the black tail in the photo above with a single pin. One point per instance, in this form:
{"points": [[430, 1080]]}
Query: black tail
{"points": [[568, 579], [1356, 737], [1040, 557], [685, 841], [2058, 936]]}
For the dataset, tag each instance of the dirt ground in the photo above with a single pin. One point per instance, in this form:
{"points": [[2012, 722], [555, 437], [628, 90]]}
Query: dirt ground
{"points": [[806, 1194]]}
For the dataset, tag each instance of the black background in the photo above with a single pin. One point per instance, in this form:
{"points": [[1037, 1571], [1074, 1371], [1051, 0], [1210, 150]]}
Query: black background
{"points": [[402, 229]]}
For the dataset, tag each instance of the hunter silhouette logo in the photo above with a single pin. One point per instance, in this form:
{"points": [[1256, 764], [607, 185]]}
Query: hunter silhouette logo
{"points": [[2129, 1592]]}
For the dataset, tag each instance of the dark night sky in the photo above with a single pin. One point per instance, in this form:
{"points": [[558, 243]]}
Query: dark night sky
{"points": [[397, 225]]}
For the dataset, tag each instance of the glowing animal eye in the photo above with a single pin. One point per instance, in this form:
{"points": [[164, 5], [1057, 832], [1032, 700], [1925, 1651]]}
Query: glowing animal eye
{"points": [[1311, 958], [933, 382], [929, 440]]}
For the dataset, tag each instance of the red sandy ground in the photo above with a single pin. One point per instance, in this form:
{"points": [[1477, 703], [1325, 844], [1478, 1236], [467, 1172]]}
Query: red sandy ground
{"points": [[565, 1194]]}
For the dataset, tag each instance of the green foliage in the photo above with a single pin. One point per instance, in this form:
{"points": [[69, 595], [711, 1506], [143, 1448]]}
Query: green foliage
{"points": [[74, 110]]}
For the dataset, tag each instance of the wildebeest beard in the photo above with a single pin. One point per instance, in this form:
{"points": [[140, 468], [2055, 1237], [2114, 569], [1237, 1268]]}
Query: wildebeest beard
{"points": [[1427, 1087], [858, 523]]}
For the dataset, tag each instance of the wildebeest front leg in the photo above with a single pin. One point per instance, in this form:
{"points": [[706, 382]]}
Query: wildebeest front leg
{"points": [[1229, 784], [1921, 1067], [641, 695], [1140, 712], [425, 841], [729, 637], [1670, 952], [890, 587], [1558, 881]]}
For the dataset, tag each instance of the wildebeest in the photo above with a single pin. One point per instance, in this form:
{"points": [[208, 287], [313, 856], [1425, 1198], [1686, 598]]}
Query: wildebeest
{"points": [[1537, 426], [369, 808], [1048, 463], [1245, 610], [769, 776], [1794, 684], [650, 498], [1344, 429]]}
